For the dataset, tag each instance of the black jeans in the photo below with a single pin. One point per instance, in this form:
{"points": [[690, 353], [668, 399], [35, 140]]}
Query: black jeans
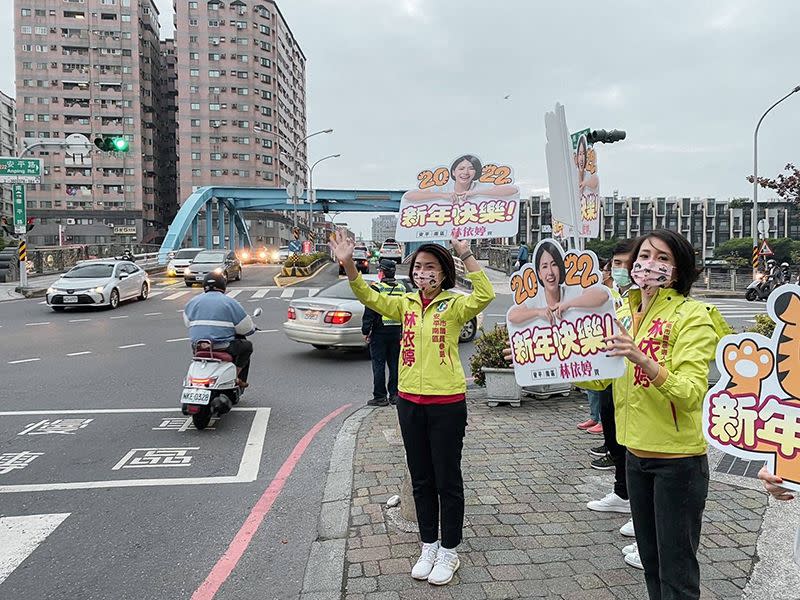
{"points": [[615, 449], [433, 435], [241, 350], [384, 347], [668, 496]]}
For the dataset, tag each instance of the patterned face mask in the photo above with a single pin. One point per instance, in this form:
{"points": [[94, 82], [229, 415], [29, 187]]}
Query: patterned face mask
{"points": [[648, 274], [427, 280]]}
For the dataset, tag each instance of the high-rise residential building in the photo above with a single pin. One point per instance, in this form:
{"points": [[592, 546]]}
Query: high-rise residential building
{"points": [[92, 67], [8, 128], [242, 95], [167, 152], [383, 226]]}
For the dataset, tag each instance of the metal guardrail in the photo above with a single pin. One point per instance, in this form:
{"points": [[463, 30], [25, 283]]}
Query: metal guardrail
{"points": [[502, 258], [48, 261]]}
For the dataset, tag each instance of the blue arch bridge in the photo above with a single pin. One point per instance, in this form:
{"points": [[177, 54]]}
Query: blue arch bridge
{"points": [[230, 202]]}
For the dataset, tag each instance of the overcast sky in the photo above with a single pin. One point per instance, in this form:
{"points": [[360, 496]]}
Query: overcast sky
{"points": [[411, 84]]}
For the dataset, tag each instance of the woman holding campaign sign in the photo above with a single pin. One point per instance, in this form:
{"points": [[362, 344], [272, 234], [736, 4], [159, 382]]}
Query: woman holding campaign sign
{"points": [[658, 406], [431, 405]]}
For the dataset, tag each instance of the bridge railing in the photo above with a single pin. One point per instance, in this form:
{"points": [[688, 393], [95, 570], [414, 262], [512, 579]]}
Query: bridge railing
{"points": [[47, 261]]}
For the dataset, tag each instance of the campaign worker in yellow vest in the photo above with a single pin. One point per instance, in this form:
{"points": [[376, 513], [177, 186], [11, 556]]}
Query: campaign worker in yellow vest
{"points": [[383, 336], [431, 404]]}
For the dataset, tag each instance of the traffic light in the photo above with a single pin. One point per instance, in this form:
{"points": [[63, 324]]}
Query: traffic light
{"points": [[112, 143], [601, 136], [6, 227], [31, 223]]}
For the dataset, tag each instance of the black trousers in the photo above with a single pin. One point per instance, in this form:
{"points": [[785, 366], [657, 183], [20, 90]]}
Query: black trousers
{"points": [[433, 436], [384, 347], [668, 496], [241, 350], [615, 449]]}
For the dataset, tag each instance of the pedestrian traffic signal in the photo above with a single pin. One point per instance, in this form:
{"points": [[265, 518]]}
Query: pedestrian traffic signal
{"points": [[112, 143], [601, 136]]}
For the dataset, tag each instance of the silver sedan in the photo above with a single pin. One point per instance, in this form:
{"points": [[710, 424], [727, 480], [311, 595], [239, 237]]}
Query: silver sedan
{"points": [[333, 318], [99, 283]]}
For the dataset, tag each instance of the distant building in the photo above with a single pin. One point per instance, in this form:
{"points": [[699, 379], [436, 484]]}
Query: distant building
{"points": [[8, 133], [383, 226]]}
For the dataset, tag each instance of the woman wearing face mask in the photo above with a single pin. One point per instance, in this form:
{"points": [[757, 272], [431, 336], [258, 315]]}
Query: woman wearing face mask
{"points": [[431, 405], [658, 403]]}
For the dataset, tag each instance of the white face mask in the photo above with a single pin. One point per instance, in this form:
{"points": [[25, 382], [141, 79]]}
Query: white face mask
{"points": [[427, 280]]}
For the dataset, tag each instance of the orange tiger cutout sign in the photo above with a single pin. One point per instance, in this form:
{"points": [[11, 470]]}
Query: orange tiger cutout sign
{"points": [[753, 412]]}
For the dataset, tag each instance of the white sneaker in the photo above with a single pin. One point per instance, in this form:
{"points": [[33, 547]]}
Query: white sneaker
{"points": [[630, 549], [425, 561], [633, 560], [611, 503], [627, 529], [446, 565]]}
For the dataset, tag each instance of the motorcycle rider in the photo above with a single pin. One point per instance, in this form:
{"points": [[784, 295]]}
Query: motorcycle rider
{"points": [[785, 273], [383, 336], [220, 319]]}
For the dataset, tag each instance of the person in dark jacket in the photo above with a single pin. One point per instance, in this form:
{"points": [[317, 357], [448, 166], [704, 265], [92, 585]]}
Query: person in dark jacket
{"points": [[383, 336]]}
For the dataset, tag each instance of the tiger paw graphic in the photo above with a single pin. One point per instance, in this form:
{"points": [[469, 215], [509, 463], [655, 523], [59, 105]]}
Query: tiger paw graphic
{"points": [[748, 365], [787, 310]]}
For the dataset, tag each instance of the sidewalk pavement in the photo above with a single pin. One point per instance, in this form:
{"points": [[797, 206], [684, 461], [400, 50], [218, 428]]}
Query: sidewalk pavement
{"points": [[37, 286], [528, 533]]}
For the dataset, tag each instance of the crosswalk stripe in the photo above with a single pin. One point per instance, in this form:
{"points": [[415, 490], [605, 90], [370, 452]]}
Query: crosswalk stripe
{"points": [[20, 536], [261, 293], [287, 293], [156, 293], [176, 295], [233, 293], [312, 292]]}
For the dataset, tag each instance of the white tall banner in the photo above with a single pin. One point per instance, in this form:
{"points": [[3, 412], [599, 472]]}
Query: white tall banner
{"points": [[562, 175]]}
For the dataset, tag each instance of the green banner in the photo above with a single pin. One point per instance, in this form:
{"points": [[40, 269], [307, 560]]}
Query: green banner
{"points": [[20, 211]]}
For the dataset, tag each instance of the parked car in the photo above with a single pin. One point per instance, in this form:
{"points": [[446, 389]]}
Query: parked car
{"points": [[222, 261], [333, 317], [283, 254], [99, 283], [391, 250], [180, 260], [361, 258]]}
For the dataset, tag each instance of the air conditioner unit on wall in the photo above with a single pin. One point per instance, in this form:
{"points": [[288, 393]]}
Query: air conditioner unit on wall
{"points": [[70, 221]]}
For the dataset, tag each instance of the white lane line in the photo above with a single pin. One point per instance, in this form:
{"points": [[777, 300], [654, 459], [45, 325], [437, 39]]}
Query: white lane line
{"points": [[175, 296], [180, 311], [85, 352], [152, 314], [287, 293], [313, 292], [20, 536], [43, 302], [268, 331], [24, 360], [178, 340], [130, 346], [121, 317], [79, 320], [497, 315], [233, 293], [35, 324], [155, 293], [260, 293]]}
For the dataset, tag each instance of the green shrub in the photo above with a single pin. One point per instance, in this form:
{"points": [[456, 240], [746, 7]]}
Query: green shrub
{"points": [[764, 325], [489, 353], [303, 260]]}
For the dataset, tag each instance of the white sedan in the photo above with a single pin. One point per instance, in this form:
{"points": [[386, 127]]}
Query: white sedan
{"points": [[99, 283]]}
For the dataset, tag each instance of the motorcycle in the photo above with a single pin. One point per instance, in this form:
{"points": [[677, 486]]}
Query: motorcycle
{"points": [[760, 288], [210, 389]]}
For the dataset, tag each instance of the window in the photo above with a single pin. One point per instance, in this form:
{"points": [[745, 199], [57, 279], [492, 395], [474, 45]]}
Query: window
{"points": [[195, 172], [195, 139], [25, 12], [213, 106], [195, 122], [213, 56], [26, 29], [216, 156], [213, 23], [195, 156], [193, 5], [126, 18], [194, 72], [214, 73], [244, 91], [194, 89], [264, 29], [244, 157], [43, 118], [192, 22], [195, 56], [40, 30]]}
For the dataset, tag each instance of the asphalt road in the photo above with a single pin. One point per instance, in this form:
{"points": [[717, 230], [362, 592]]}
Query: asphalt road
{"points": [[140, 505]]}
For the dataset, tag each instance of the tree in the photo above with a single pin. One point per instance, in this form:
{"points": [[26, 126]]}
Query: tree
{"points": [[736, 247], [739, 251], [787, 187], [602, 248]]}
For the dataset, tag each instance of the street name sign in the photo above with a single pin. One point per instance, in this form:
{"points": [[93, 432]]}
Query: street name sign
{"points": [[20, 170]]}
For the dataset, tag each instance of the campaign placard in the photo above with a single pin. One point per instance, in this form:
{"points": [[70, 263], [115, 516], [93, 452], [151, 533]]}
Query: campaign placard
{"points": [[561, 316], [753, 412], [468, 199], [588, 189]]}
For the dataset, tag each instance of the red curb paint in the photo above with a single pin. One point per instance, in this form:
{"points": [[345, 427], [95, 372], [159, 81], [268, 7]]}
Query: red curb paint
{"points": [[228, 561]]}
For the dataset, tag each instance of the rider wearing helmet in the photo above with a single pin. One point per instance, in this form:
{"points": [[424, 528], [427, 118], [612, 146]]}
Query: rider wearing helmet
{"points": [[220, 319], [785, 274]]}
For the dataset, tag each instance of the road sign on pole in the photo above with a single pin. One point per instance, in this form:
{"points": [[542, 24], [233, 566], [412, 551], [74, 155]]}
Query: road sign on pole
{"points": [[765, 249], [20, 170], [295, 246], [763, 227], [20, 210]]}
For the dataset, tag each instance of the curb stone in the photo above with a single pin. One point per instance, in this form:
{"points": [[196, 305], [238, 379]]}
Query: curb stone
{"points": [[324, 572]]}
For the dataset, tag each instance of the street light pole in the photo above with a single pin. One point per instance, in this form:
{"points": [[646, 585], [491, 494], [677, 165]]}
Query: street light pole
{"points": [[294, 165], [310, 193], [754, 218]]}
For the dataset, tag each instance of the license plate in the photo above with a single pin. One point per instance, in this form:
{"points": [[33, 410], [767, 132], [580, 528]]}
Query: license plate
{"points": [[311, 315], [70, 299], [195, 396]]}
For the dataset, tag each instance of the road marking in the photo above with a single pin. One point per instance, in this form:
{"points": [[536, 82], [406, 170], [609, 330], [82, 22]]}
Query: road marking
{"points": [[155, 293], [120, 317], [496, 315], [228, 561], [287, 293], [248, 466], [79, 320], [268, 331], [20, 536], [34, 324], [133, 451], [233, 293], [24, 360], [178, 340], [261, 293], [175, 296], [313, 292], [79, 353], [152, 314], [130, 346]]}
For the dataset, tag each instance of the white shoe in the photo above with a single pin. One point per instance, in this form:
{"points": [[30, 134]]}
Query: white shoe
{"points": [[611, 503], [446, 565], [425, 561], [627, 529], [630, 549], [633, 560]]}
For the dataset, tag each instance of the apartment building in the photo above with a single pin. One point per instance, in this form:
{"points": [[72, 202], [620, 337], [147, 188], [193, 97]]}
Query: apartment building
{"points": [[705, 222], [8, 129], [242, 98], [383, 226], [167, 154], [92, 67]]}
